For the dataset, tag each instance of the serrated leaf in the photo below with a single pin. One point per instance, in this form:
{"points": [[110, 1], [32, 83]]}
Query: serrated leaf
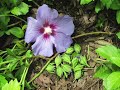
{"points": [[77, 48], [58, 60], [66, 68], [16, 31], [118, 16], [85, 2], [70, 50], [113, 81], [77, 74], [118, 35], [22, 9], [50, 68], [12, 85], [78, 68], [66, 58], [59, 71], [102, 72], [74, 62], [83, 61], [3, 81]]}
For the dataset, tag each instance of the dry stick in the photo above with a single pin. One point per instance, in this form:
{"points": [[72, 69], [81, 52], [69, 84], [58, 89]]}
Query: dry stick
{"points": [[38, 74], [92, 33], [14, 24]]}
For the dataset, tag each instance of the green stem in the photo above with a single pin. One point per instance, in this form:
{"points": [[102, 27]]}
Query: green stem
{"points": [[13, 16], [91, 33], [38, 74], [5, 62], [35, 3], [14, 24]]}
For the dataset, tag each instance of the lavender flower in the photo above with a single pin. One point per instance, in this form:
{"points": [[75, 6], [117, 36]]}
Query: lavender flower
{"points": [[48, 30]]}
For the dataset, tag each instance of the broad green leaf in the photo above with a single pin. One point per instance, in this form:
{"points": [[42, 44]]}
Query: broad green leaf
{"points": [[77, 74], [16, 31], [66, 58], [22, 9], [66, 68], [50, 68], [12, 85], [118, 35], [102, 72], [115, 60], [107, 52], [99, 6], [59, 71], [3, 81], [113, 81], [115, 5], [118, 16], [85, 1], [74, 62], [77, 48], [107, 3], [78, 68], [1, 33], [58, 60], [83, 61], [70, 50]]}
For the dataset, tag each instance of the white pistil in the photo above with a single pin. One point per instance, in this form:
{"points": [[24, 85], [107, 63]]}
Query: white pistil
{"points": [[47, 30]]}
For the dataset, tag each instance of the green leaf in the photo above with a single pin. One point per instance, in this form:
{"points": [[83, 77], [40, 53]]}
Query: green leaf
{"points": [[75, 55], [83, 61], [1, 33], [78, 67], [16, 31], [107, 3], [70, 50], [58, 60], [66, 68], [12, 85], [99, 6], [77, 74], [102, 72], [3, 81], [118, 16], [22, 9], [118, 35], [74, 62], [59, 71], [28, 54], [115, 5], [50, 68], [113, 81], [10, 52], [66, 58], [85, 1], [77, 48]]}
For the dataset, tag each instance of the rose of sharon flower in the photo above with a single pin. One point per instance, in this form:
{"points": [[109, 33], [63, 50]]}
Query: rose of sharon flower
{"points": [[48, 30]]}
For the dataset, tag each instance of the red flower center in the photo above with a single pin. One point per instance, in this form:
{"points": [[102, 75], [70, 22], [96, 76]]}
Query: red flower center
{"points": [[48, 29]]}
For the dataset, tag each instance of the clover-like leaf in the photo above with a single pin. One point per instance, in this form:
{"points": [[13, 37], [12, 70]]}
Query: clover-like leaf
{"points": [[50, 68], [22, 9], [66, 58], [59, 71], [77, 74], [77, 48], [78, 67], [70, 50], [66, 68], [83, 61], [58, 60], [74, 62]]}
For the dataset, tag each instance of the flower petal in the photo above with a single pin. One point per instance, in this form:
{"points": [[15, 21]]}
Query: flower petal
{"points": [[32, 31], [46, 13], [43, 46], [62, 42], [64, 24]]}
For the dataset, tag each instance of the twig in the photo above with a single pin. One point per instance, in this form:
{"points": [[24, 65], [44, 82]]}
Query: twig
{"points": [[38, 74], [92, 33], [14, 24], [35, 3]]}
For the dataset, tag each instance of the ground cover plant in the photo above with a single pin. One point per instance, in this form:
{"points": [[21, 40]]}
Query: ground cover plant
{"points": [[59, 45]]}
